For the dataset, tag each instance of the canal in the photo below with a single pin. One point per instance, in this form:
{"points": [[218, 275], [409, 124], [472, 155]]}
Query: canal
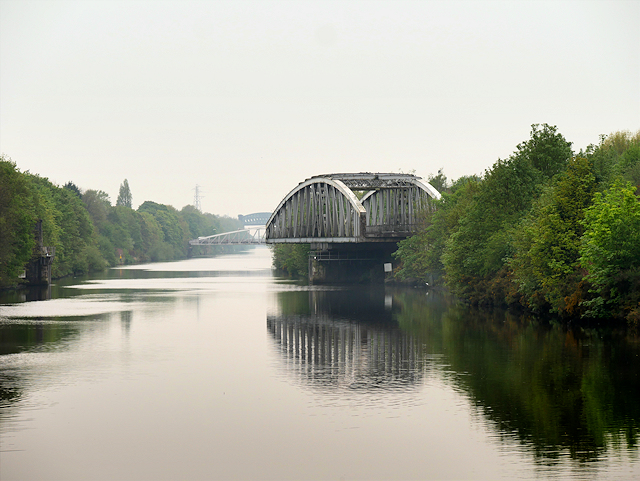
{"points": [[218, 369]]}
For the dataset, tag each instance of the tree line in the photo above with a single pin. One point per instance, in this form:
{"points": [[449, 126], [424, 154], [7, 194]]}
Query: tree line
{"points": [[548, 229], [87, 231]]}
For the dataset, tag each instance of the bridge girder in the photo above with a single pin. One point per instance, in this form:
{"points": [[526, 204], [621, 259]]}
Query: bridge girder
{"points": [[325, 209]]}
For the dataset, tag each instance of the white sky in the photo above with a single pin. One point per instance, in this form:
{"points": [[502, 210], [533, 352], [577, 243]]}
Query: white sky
{"points": [[247, 99]]}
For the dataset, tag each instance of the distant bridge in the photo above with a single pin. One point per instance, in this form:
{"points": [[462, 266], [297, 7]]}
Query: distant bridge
{"points": [[326, 209], [257, 218], [252, 234], [237, 237]]}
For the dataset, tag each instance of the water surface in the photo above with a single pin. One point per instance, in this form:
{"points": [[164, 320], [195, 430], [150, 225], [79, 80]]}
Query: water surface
{"points": [[217, 369]]}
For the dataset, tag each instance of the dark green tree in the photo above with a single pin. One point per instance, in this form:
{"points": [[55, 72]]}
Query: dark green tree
{"points": [[175, 229], [73, 188], [124, 195], [547, 150], [67, 226], [17, 219], [546, 262], [610, 253], [476, 254]]}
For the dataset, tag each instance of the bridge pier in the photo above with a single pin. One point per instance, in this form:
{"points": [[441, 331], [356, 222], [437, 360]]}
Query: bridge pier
{"points": [[349, 263]]}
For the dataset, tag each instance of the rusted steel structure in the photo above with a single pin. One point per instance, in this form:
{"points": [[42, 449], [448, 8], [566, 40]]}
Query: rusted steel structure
{"points": [[326, 209]]}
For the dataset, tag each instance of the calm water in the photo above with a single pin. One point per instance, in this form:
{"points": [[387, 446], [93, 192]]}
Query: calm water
{"points": [[217, 369]]}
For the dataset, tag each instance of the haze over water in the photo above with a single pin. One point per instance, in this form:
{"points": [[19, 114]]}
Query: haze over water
{"points": [[218, 369]]}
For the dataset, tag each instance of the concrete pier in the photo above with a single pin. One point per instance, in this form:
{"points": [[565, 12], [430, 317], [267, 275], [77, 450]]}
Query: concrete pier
{"points": [[349, 263]]}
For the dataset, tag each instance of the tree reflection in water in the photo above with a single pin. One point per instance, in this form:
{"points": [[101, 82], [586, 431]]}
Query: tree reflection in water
{"points": [[557, 390]]}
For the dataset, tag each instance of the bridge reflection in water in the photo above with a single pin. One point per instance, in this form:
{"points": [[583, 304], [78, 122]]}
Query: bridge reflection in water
{"points": [[346, 339]]}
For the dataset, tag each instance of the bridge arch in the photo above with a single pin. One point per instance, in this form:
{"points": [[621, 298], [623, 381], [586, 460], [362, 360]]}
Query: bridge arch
{"points": [[325, 209], [319, 209]]}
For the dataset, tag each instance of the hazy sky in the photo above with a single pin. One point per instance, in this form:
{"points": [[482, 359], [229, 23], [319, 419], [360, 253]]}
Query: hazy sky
{"points": [[247, 99]]}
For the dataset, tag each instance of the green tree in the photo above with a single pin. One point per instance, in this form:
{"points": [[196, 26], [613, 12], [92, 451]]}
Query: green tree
{"points": [[439, 181], [616, 157], [547, 150], [292, 258], [475, 256], [610, 252], [420, 255], [67, 226], [86, 230], [174, 228], [199, 224], [98, 206], [126, 233], [17, 219], [124, 196], [153, 246], [546, 262], [73, 187], [477, 250]]}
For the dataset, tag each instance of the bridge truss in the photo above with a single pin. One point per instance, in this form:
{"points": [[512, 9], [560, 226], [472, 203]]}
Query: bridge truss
{"points": [[326, 209]]}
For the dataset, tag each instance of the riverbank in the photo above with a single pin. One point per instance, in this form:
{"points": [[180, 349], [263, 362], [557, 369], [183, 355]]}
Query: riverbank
{"points": [[27, 292], [547, 229], [86, 231]]}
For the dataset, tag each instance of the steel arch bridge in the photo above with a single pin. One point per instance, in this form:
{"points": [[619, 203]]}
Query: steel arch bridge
{"points": [[326, 209]]}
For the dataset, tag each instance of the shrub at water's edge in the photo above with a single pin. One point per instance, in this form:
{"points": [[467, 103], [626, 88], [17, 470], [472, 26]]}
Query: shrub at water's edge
{"points": [[291, 258]]}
